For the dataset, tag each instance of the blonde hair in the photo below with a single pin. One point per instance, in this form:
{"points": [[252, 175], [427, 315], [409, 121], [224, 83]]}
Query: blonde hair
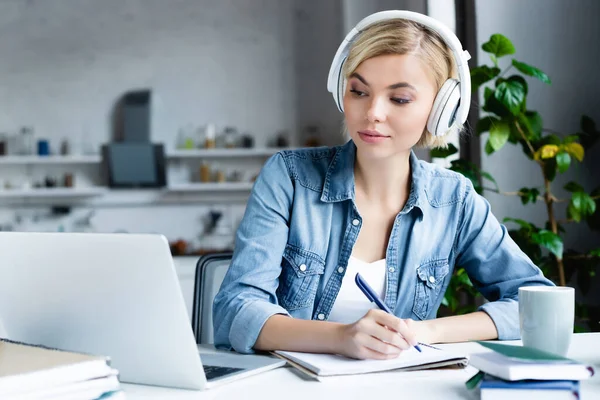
{"points": [[400, 36]]}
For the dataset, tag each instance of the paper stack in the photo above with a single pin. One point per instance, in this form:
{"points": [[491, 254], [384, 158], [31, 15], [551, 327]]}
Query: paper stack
{"points": [[33, 372], [519, 372]]}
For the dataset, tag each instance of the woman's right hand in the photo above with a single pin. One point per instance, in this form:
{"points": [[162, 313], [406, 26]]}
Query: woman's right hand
{"points": [[378, 335]]}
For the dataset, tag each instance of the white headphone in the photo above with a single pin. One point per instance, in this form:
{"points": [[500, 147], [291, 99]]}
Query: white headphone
{"points": [[452, 101]]}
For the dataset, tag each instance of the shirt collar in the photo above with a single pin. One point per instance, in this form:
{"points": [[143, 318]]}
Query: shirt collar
{"points": [[339, 180]]}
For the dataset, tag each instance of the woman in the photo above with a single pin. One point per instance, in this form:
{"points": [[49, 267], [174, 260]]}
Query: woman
{"points": [[316, 217]]}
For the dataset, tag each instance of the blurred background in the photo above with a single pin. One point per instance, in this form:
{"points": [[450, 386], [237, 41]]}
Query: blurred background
{"points": [[156, 116]]}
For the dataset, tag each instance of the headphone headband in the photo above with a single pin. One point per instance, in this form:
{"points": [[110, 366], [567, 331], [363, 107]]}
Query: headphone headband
{"points": [[461, 57]]}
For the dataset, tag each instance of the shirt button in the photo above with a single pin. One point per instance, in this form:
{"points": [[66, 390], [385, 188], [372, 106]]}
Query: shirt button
{"points": [[391, 269], [303, 267], [341, 269], [355, 222], [431, 279], [321, 316]]}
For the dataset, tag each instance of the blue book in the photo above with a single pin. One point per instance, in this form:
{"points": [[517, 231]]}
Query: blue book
{"points": [[493, 388]]}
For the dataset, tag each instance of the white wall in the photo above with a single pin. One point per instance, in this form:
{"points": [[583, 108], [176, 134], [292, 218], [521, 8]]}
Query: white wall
{"points": [[65, 63], [231, 62]]}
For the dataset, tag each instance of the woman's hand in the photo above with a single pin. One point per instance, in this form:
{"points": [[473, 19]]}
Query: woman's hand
{"points": [[378, 335]]}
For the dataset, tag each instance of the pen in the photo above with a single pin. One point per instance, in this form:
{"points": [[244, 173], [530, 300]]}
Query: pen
{"points": [[372, 296]]}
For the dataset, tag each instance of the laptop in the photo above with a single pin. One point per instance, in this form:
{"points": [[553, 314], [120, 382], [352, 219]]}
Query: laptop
{"points": [[116, 295]]}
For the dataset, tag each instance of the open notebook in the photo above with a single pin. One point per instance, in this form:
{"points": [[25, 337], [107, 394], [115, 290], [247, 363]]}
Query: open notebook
{"points": [[322, 365]]}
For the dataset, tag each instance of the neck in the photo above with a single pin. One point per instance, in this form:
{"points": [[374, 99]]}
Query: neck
{"points": [[385, 181]]}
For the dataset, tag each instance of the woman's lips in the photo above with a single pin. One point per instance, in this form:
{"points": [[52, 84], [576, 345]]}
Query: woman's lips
{"points": [[369, 136]]}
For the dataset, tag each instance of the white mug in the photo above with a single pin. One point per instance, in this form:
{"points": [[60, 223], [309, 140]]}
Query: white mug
{"points": [[547, 317]]}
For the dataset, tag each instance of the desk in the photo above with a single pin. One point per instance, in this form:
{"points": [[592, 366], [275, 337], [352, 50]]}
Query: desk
{"points": [[286, 383]]}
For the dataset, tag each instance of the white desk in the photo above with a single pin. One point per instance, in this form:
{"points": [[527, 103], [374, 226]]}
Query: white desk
{"points": [[286, 383]]}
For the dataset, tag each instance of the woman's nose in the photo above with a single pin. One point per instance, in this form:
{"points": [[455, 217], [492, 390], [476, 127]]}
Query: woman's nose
{"points": [[377, 111]]}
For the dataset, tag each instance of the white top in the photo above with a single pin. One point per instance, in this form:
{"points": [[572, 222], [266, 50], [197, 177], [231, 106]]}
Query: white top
{"points": [[351, 304]]}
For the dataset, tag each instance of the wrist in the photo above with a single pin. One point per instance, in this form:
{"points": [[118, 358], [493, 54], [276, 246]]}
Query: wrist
{"points": [[336, 337], [428, 332]]}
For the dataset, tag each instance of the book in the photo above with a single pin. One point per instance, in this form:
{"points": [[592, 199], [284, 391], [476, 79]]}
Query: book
{"points": [[90, 389], [28, 368], [493, 388], [323, 365], [514, 363]]}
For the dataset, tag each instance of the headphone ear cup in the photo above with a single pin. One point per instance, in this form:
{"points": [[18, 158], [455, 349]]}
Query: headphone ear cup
{"points": [[341, 88], [444, 108]]}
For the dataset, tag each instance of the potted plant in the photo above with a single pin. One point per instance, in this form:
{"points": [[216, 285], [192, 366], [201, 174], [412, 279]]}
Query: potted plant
{"points": [[509, 121]]}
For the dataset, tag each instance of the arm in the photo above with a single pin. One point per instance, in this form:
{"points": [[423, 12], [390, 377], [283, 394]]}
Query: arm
{"points": [[377, 335], [458, 328], [247, 297], [282, 332], [496, 266]]}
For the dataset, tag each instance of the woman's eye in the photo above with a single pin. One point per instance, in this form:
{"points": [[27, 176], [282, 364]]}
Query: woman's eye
{"points": [[357, 92], [399, 100]]}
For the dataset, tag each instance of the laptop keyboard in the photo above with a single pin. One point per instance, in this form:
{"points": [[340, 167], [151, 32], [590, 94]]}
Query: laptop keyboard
{"points": [[213, 371]]}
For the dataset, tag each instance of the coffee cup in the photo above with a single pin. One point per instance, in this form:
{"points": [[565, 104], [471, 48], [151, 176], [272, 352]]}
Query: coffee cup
{"points": [[546, 317]]}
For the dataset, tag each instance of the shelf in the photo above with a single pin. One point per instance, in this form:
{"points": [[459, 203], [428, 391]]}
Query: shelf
{"points": [[171, 154], [53, 192], [235, 152], [210, 187], [74, 159]]}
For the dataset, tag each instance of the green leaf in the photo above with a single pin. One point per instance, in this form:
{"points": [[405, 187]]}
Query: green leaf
{"points": [[499, 133], [498, 45], [521, 80], [495, 106], [482, 74], [490, 178], [535, 124], [484, 124], [573, 187], [531, 71], [581, 206], [511, 94], [570, 139], [441, 152], [549, 240], [563, 160], [528, 195], [595, 253], [528, 226], [487, 92], [576, 150], [488, 148]]}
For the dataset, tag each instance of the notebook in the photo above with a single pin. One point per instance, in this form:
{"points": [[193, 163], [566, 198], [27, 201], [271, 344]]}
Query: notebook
{"points": [[323, 365], [26, 368], [514, 363], [492, 388]]}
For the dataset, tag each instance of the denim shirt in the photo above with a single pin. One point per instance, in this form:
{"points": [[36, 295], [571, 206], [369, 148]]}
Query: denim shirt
{"points": [[301, 223]]}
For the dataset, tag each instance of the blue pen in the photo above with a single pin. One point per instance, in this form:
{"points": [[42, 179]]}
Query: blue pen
{"points": [[370, 293]]}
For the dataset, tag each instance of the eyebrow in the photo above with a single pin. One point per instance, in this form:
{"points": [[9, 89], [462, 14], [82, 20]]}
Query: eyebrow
{"points": [[394, 86]]}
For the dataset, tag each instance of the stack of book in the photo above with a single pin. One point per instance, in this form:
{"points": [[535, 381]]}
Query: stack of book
{"points": [[518, 372], [33, 372]]}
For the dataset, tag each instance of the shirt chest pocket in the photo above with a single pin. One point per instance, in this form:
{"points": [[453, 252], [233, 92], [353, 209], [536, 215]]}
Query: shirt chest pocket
{"points": [[301, 271], [430, 280]]}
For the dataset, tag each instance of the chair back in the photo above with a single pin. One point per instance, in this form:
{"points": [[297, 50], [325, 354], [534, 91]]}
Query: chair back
{"points": [[210, 272]]}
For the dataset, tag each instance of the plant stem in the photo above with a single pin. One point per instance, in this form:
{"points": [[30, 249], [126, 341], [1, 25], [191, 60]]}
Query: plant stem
{"points": [[529, 145], [554, 226], [506, 70], [549, 200]]}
